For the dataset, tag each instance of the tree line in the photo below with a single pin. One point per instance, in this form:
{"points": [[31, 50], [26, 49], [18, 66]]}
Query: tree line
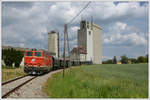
{"points": [[12, 56], [126, 60]]}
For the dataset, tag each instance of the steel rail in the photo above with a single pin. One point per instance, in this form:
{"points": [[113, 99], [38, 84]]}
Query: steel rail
{"points": [[16, 88]]}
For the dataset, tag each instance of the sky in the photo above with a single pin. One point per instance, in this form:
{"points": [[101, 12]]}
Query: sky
{"points": [[124, 25]]}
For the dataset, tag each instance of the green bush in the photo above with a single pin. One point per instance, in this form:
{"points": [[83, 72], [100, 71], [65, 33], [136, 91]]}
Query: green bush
{"points": [[107, 62], [11, 56], [124, 59]]}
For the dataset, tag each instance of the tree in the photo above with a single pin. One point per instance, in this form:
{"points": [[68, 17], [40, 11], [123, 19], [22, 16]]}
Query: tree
{"points": [[108, 62], [3, 54], [18, 58], [124, 59], [8, 56], [141, 59], [114, 60], [133, 60], [11, 56], [146, 58]]}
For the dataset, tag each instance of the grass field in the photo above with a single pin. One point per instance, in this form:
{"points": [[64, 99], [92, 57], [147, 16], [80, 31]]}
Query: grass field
{"points": [[9, 73], [100, 81]]}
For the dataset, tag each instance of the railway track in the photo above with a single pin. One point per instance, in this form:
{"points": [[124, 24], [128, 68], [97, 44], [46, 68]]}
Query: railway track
{"points": [[6, 82], [11, 86]]}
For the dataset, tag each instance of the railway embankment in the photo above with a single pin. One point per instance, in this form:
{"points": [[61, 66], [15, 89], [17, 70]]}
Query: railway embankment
{"points": [[100, 81], [10, 73]]}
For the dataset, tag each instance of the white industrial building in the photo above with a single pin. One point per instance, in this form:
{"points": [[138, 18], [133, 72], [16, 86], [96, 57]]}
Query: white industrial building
{"points": [[53, 43], [89, 37], [78, 54]]}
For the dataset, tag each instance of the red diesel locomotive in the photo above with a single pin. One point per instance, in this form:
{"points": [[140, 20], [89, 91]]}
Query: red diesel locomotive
{"points": [[40, 61], [37, 61]]}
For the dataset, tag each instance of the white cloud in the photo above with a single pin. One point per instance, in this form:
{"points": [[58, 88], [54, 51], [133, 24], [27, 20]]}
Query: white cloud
{"points": [[73, 31], [137, 39], [109, 10], [123, 34], [126, 39], [106, 57], [117, 27], [121, 25]]}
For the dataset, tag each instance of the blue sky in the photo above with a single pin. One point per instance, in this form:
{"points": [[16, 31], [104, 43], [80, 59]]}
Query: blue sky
{"points": [[125, 25]]}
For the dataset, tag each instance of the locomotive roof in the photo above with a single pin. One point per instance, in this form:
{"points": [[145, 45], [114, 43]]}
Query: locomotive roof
{"points": [[39, 51]]}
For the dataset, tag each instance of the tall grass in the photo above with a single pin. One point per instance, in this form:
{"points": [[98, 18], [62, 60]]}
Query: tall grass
{"points": [[100, 81], [9, 73]]}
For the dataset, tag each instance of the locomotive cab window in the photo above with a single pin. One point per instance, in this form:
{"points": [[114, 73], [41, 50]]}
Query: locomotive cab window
{"points": [[38, 54], [29, 53]]}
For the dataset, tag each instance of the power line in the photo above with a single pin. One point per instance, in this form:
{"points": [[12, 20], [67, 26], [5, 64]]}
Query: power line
{"points": [[75, 18], [66, 38], [79, 13]]}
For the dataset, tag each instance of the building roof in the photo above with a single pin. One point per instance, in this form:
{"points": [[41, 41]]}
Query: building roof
{"points": [[80, 50], [97, 26], [52, 32]]}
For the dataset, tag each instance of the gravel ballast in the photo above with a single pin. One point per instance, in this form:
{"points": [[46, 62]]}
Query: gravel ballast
{"points": [[33, 89]]}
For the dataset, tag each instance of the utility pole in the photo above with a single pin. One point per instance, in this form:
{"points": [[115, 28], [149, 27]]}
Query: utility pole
{"points": [[58, 43], [66, 36], [68, 48], [65, 31]]}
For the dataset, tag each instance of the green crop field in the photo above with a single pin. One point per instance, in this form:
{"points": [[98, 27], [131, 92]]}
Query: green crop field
{"points": [[100, 81]]}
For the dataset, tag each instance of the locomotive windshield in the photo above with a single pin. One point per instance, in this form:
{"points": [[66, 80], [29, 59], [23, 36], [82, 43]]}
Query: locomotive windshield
{"points": [[29, 53], [38, 54]]}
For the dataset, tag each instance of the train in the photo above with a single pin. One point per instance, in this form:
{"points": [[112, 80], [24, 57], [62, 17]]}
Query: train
{"points": [[41, 61]]}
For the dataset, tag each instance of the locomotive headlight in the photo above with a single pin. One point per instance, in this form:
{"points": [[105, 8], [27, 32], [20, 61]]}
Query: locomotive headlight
{"points": [[32, 60]]}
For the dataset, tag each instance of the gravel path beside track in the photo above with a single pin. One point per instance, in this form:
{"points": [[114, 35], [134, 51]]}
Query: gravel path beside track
{"points": [[33, 89]]}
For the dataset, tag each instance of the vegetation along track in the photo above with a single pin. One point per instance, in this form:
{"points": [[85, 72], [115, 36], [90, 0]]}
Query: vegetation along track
{"points": [[11, 86]]}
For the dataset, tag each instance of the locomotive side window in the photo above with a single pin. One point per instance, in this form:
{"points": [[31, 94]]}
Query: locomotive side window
{"points": [[38, 54], [29, 53]]}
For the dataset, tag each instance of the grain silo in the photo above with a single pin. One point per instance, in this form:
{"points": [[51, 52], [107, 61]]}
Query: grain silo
{"points": [[90, 38], [53, 43]]}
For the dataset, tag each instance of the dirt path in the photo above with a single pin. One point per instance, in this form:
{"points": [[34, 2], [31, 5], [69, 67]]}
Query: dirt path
{"points": [[33, 89]]}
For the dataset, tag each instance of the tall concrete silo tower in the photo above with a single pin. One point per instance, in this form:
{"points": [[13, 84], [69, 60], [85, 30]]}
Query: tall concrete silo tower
{"points": [[85, 39], [53, 43], [90, 38]]}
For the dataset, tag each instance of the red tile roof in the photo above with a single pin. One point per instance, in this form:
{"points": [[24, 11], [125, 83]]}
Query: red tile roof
{"points": [[80, 50]]}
